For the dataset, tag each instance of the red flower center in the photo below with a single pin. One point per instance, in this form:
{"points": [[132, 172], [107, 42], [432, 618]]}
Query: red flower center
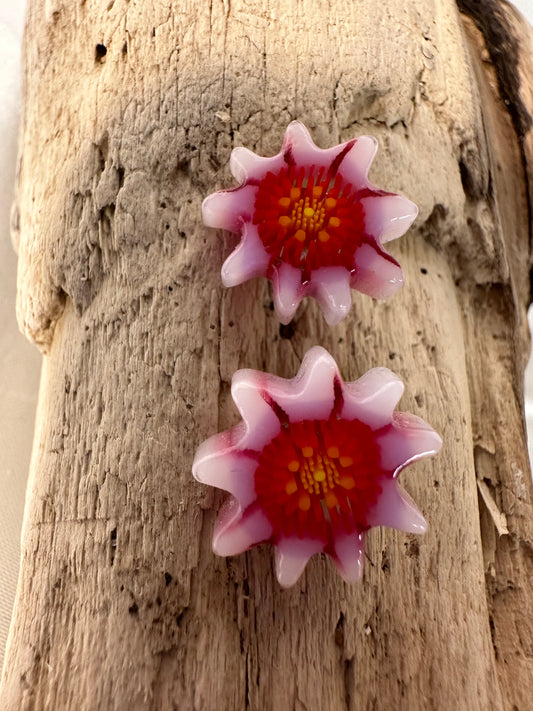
{"points": [[308, 219], [319, 474]]}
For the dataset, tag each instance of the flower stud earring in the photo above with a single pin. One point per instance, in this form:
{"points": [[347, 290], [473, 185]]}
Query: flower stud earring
{"points": [[313, 465], [312, 223]]}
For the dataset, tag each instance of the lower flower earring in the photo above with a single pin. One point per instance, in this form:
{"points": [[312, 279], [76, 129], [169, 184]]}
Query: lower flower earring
{"points": [[314, 464]]}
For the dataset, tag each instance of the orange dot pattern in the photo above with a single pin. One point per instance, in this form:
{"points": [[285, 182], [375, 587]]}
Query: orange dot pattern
{"points": [[308, 220], [317, 475]]}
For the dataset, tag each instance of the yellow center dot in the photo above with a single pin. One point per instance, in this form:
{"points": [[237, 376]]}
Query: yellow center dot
{"points": [[308, 212], [285, 221], [333, 452], [284, 202], [346, 461], [291, 487], [304, 502], [295, 193], [293, 466], [334, 221], [307, 451], [323, 236], [319, 475], [329, 203], [300, 235], [331, 500]]}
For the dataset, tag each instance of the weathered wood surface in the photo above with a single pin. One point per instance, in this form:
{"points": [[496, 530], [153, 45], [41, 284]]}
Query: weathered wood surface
{"points": [[131, 112]]}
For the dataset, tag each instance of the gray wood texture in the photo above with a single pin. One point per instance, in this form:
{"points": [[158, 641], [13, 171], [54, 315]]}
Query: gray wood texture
{"points": [[131, 112]]}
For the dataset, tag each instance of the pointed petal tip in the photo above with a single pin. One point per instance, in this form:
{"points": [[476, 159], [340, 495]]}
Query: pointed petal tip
{"points": [[292, 555], [210, 216], [239, 163], [358, 160], [413, 208], [229, 209], [317, 357], [227, 544], [419, 432], [237, 531], [410, 518], [229, 469], [197, 469], [284, 318], [260, 423], [247, 261], [284, 312], [396, 509], [351, 575], [414, 522], [422, 525], [349, 556], [392, 285], [334, 316], [311, 393], [377, 273], [210, 449], [288, 574], [236, 271], [366, 148], [373, 397], [331, 288], [229, 275], [370, 140], [435, 441], [388, 217], [297, 129], [406, 443], [287, 292], [399, 224]]}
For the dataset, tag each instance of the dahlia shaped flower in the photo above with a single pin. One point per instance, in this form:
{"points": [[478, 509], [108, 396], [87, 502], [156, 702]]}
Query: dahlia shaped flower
{"points": [[313, 465], [311, 222]]}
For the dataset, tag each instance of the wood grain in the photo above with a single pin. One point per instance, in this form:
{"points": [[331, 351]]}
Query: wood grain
{"points": [[131, 112]]}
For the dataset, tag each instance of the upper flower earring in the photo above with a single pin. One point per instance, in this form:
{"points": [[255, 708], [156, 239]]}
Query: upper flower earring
{"points": [[314, 465], [312, 223]]}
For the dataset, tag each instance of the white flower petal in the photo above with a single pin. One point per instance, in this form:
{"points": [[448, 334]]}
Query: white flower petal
{"points": [[349, 555], [236, 531], [396, 509], [310, 395], [218, 462], [372, 398], [356, 164], [331, 288], [260, 423], [248, 260], [304, 150], [298, 140], [374, 274], [388, 216], [245, 165], [292, 555], [229, 209], [409, 439], [287, 291]]}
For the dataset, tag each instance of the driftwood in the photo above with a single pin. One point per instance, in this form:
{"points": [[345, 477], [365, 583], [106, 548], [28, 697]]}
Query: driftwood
{"points": [[131, 111]]}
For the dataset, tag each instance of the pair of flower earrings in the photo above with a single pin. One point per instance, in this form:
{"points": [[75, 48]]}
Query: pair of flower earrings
{"points": [[315, 461]]}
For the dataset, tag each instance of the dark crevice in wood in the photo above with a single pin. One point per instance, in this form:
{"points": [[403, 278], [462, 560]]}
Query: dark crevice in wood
{"points": [[504, 50]]}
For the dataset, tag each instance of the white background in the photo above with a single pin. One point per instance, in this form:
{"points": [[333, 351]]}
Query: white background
{"points": [[19, 361]]}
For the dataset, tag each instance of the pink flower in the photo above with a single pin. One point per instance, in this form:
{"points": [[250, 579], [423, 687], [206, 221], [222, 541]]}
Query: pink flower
{"points": [[312, 223], [313, 465]]}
